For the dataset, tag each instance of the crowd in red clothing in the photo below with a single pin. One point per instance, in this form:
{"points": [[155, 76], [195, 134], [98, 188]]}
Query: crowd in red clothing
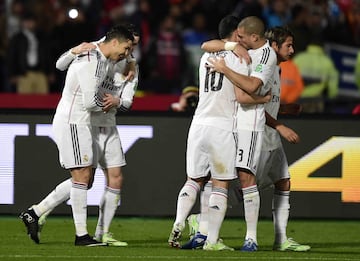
{"points": [[171, 32]]}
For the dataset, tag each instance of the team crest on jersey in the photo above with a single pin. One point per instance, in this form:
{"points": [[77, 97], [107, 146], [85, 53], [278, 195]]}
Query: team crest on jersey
{"points": [[259, 68], [86, 158]]}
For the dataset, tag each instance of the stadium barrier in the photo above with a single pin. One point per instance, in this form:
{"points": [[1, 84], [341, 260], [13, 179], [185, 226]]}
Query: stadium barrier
{"points": [[324, 166]]}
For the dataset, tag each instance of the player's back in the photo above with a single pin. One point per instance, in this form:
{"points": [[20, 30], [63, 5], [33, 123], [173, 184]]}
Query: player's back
{"points": [[217, 103], [80, 93]]}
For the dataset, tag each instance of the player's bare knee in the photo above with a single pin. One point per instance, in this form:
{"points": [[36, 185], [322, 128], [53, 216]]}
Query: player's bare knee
{"points": [[246, 178], [283, 184]]}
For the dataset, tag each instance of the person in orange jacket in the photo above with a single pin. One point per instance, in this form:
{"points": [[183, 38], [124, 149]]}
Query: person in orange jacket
{"points": [[292, 83]]}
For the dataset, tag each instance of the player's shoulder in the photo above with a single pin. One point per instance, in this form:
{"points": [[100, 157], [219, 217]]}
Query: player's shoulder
{"points": [[232, 59], [263, 55], [92, 55]]}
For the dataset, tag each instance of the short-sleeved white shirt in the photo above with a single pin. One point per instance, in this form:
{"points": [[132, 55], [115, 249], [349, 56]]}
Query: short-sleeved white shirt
{"points": [[211, 144], [272, 140], [217, 102], [252, 117]]}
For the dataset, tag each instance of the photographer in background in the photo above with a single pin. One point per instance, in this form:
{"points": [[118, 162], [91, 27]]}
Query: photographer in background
{"points": [[188, 100]]}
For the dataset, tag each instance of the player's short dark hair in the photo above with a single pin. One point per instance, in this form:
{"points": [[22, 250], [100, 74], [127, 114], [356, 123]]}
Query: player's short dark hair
{"points": [[132, 28], [119, 32], [227, 26], [278, 34]]}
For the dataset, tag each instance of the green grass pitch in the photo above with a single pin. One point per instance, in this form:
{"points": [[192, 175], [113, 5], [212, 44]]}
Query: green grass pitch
{"points": [[331, 240]]}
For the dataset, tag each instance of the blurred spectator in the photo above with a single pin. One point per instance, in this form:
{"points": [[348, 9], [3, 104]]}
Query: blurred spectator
{"points": [[320, 77], [276, 13], [14, 13], [70, 29], [292, 84], [336, 27], [44, 11], [354, 20], [188, 10], [299, 27], [357, 71], [112, 13], [316, 23], [165, 60], [188, 100], [29, 57], [248, 8], [143, 19], [176, 11], [164, 65], [3, 46], [193, 37]]}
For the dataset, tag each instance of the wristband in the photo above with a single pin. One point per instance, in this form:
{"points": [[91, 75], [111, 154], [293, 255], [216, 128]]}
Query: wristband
{"points": [[230, 46]]}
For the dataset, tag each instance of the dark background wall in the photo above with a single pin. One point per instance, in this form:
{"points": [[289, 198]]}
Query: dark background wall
{"points": [[326, 181]]}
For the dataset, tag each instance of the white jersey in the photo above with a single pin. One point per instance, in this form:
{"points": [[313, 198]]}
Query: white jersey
{"points": [[217, 102], [272, 140], [80, 94], [252, 117], [114, 83]]}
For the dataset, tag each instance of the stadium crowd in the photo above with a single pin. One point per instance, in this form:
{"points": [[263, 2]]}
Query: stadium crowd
{"points": [[171, 34]]}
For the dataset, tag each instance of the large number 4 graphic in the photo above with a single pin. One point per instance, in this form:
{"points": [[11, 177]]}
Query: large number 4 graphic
{"points": [[349, 182]]}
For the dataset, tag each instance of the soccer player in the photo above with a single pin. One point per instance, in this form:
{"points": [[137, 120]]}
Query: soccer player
{"points": [[250, 117], [273, 167], [118, 93], [211, 144], [82, 97], [123, 91]]}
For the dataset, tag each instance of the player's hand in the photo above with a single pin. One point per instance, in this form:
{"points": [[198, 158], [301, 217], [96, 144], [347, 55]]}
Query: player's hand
{"points": [[83, 47], [288, 134], [216, 64], [242, 53], [267, 96], [130, 76], [110, 101]]}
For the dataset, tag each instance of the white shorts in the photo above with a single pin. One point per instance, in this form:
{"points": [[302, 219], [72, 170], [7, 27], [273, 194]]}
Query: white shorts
{"points": [[108, 151], [272, 167], [74, 143], [248, 149], [211, 150]]}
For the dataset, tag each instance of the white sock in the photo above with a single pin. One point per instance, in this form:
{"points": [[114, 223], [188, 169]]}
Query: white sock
{"points": [[204, 208], [111, 202], [251, 209], [281, 210], [78, 197], [55, 198], [99, 231], [217, 210], [186, 200]]}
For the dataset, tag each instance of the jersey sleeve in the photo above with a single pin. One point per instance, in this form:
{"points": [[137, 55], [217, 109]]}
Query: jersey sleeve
{"points": [[264, 66], [128, 93], [89, 77], [65, 60]]}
